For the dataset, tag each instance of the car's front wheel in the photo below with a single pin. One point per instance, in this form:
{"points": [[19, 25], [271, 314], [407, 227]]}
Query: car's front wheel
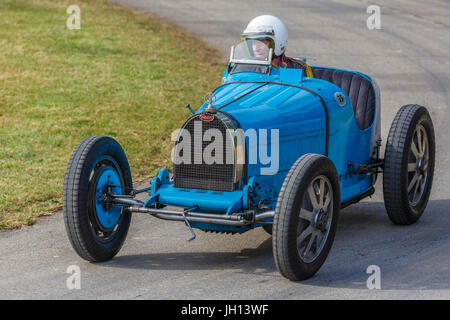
{"points": [[306, 217], [96, 229]]}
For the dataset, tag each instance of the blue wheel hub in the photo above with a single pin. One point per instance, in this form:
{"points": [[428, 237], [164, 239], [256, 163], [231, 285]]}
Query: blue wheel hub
{"points": [[108, 180]]}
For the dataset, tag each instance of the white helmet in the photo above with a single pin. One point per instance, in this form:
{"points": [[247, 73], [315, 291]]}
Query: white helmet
{"points": [[268, 27]]}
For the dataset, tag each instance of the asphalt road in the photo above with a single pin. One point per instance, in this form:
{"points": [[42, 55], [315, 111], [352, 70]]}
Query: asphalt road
{"points": [[410, 60]]}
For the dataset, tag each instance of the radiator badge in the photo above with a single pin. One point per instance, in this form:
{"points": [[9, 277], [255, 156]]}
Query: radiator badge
{"points": [[207, 117]]}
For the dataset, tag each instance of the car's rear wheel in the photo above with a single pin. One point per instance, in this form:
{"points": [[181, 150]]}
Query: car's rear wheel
{"points": [[96, 228], [306, 217], [409, 164]]}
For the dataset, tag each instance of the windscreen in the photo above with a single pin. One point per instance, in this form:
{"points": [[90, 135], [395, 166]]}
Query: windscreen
{"points": [[251, 51]]}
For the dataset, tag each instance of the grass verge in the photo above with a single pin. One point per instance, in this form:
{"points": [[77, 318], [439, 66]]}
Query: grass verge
{"points": [[125, 74]]}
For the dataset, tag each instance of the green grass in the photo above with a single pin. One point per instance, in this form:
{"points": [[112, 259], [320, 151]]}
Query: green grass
{"points": [[125, 74]]}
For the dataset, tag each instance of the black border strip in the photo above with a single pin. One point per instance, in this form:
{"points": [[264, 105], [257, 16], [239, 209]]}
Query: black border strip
{"points": [[282, 308]]}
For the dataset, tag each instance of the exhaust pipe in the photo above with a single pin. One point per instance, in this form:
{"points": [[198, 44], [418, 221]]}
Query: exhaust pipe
{"points": [[237, 220], [225, 219]]}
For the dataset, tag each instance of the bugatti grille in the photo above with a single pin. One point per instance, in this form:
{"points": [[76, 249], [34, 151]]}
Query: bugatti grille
{"points": [[198, 164]]}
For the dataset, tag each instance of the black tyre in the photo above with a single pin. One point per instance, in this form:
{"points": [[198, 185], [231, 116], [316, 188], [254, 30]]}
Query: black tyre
{"points": [[409, 164], [306, 217], [95, 228]]}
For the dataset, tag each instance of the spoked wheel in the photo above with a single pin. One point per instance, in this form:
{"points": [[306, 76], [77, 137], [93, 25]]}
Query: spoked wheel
{"points": [[306, 217], [315, 219], [95, 227], [409, 165], [418, 169]]}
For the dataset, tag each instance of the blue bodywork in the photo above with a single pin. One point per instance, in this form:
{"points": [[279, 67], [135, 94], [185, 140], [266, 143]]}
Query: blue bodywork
{"points": [[309, 119]]}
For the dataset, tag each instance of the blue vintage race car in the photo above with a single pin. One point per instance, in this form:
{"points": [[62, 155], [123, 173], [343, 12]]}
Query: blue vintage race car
{"points": [[269, 148]]}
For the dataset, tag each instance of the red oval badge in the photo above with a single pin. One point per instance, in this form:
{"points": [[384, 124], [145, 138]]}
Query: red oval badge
{"points": [[207, 117]]}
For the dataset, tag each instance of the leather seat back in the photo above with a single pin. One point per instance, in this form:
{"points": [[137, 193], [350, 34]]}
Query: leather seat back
{"points": [[359, 90]]}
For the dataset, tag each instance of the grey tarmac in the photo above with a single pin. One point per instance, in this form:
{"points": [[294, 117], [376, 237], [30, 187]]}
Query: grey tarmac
{"points": [[410, 60]]}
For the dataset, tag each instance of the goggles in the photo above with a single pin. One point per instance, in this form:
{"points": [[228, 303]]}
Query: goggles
{"points": [[260, 36]]}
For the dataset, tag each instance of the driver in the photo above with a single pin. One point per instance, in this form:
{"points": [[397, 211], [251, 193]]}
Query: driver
{"points": [[273, 33]]}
